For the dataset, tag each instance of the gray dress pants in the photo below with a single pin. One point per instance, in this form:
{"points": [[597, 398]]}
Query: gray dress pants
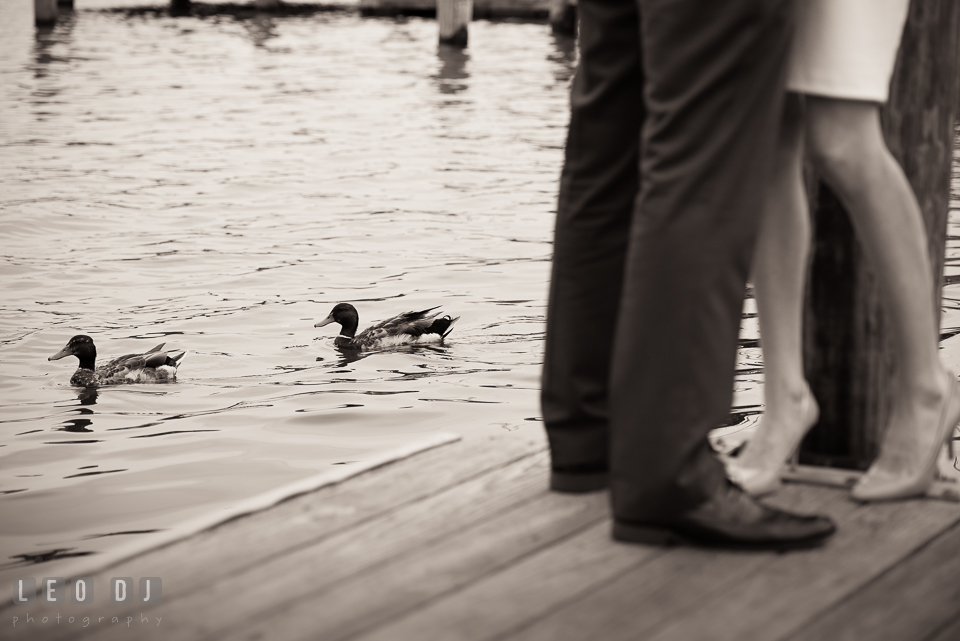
{"points": [[674, 114]]}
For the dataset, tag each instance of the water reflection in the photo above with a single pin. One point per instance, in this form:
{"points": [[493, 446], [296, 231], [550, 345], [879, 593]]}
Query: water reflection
{"points": [[261, 28], [76, 425], [452, 75], [88, 396], [48, 36], [565, 55]]}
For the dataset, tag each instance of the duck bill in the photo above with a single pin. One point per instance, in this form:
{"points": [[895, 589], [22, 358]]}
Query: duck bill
{"points": [[66, 351], [325, 321]]}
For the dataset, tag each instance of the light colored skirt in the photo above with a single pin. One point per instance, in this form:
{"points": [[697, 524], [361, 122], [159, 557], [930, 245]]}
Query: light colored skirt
{"points": [[846, 48]]}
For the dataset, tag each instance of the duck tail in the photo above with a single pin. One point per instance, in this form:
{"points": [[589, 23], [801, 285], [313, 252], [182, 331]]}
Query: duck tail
{"points": [[155, 349], [442, 326], [174, 361]]}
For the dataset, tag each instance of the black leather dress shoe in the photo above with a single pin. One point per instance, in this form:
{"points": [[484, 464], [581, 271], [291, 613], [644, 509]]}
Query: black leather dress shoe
{"points": [[579, 479], [731, 519]]}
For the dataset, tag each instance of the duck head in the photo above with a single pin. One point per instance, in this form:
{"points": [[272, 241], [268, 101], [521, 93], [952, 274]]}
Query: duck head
{"points": [[82, 347], [346, 315]]}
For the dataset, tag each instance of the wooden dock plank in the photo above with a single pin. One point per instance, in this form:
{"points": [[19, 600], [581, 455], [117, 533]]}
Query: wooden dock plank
{"points": [[230, 550], [502, 602], [499, 604], [913, 600], [393, 589], [326, 564], [794, 589], [466, 543], [578, 568], [643, 600]]}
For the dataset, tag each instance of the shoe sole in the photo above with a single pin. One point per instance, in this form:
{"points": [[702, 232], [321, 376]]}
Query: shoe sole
{"points": [[664, 536], [579, 483]]}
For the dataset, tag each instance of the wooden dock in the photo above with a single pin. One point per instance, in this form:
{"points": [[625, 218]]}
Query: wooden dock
{"points": [[464, 542]]}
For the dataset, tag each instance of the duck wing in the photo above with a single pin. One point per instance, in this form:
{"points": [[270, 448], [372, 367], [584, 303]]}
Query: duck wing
{"points": [[411, 323], [129, 367]]}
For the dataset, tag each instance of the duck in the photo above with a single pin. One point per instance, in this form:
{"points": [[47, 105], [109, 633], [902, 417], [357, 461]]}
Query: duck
{"points": [[153, 366], [408, 327]]}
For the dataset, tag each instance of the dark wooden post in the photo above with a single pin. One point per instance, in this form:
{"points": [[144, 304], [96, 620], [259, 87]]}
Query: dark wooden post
{"points": [[563, 17], [45, 11], [847, 352], [180, 7], [453, 18]]}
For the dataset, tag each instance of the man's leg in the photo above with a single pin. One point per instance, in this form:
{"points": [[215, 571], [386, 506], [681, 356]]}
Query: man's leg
{"points": [[597, 192], [714, 73]]}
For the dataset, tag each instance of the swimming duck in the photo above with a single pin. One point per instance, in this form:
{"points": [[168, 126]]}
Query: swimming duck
{"points": [[408, 327], [153, 366]]}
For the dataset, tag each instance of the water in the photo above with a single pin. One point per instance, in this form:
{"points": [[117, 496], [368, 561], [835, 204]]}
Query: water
{"points": [[219, 184]]}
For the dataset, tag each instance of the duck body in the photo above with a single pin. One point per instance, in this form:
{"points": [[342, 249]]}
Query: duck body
{"points": [[153, 366], [405, 328]]}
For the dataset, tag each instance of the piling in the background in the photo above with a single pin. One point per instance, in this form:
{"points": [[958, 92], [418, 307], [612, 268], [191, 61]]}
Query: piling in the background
{"points": [[453, 16], [847, 351], [65, 3], [45, 11], [563, 17], [180, 7], [267, 5]]}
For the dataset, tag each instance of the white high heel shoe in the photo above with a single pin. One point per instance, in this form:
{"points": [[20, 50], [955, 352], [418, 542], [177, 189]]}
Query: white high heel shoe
{"points": [[759, 481], [878, 486]]}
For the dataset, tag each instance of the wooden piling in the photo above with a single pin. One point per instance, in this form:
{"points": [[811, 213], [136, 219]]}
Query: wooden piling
{"points": [[180, 7], [847, 350], [45, 11], [453, 16], [563, 17]]}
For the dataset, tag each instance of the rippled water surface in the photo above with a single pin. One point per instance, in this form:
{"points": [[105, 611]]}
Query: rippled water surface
{"points": [[218, 184]]}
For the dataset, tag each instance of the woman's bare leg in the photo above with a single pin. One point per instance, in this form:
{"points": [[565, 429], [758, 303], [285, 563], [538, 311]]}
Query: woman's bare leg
{"points": [[846, 140], [779, 272]]}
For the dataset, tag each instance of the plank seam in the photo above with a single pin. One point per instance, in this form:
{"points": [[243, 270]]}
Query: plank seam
{"points": [[565, 602], [262, 502], [197, 587], [376, 567], [854, 590], [492, 572]]}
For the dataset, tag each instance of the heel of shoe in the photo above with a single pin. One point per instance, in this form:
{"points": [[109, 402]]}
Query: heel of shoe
{"points": [[570, 483], [646, 534], [756, 483], [759, 482]]}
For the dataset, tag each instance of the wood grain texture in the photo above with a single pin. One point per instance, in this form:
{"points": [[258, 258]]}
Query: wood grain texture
{"points": [[217, 556], [322, 566], [487, 552], [794, 590], [670, 587], [406, 583], [913, 600], [534, 587]]}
